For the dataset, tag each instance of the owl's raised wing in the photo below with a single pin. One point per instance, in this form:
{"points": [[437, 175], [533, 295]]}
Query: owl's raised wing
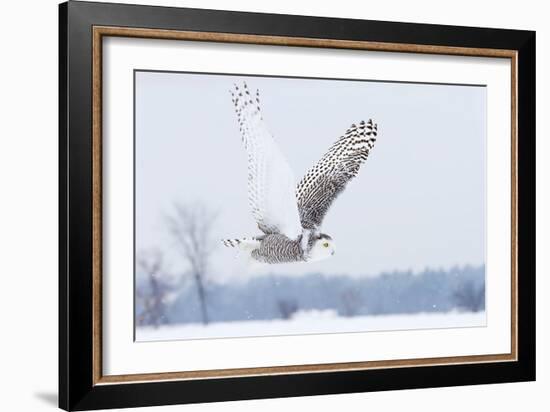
{"points": [[329, 176], [271, 182]]}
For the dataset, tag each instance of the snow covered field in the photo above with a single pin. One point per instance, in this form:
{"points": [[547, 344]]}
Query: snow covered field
{"points": [[310, 322]]}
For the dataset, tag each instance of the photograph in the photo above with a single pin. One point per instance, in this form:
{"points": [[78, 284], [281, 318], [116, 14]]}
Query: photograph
{"points": [[270, 205]]}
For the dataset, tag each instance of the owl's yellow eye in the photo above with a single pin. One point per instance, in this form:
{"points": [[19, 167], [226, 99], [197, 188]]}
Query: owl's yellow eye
{"points": [[325, 244]]}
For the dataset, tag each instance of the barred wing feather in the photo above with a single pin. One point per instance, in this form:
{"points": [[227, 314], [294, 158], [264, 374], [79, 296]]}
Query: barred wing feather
{"points": [[271, 182], [329, 176]]}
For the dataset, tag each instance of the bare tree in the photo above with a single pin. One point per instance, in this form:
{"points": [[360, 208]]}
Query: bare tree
{"points": [[287, 307], [351, 302], [469, 297], [191, 227], [152, 297]]}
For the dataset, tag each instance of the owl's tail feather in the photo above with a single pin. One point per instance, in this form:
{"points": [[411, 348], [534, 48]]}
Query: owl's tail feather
{"points": [[245, 244]]}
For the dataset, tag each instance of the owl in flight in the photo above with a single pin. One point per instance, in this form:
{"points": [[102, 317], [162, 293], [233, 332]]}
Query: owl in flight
{"points": [[290, 215]]}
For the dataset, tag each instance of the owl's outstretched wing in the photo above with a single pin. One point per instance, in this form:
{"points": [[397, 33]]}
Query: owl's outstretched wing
{"points": [[271, 182], [328, 178]]}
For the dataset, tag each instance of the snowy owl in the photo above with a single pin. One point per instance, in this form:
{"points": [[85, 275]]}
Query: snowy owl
{"points": [[290, 215]]}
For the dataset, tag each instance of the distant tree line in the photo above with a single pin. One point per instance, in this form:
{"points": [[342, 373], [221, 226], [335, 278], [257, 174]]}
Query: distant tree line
{"points": [[279, 296]]}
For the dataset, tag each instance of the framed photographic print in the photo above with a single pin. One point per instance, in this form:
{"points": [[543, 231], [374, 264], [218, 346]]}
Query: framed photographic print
{"points": [[256, 205]]}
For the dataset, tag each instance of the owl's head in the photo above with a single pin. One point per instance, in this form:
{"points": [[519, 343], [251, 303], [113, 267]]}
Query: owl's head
{"points": [[323, 247]]}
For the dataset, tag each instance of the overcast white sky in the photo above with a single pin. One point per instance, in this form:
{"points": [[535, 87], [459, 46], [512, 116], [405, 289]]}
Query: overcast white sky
{"points": [[418, 201]]}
